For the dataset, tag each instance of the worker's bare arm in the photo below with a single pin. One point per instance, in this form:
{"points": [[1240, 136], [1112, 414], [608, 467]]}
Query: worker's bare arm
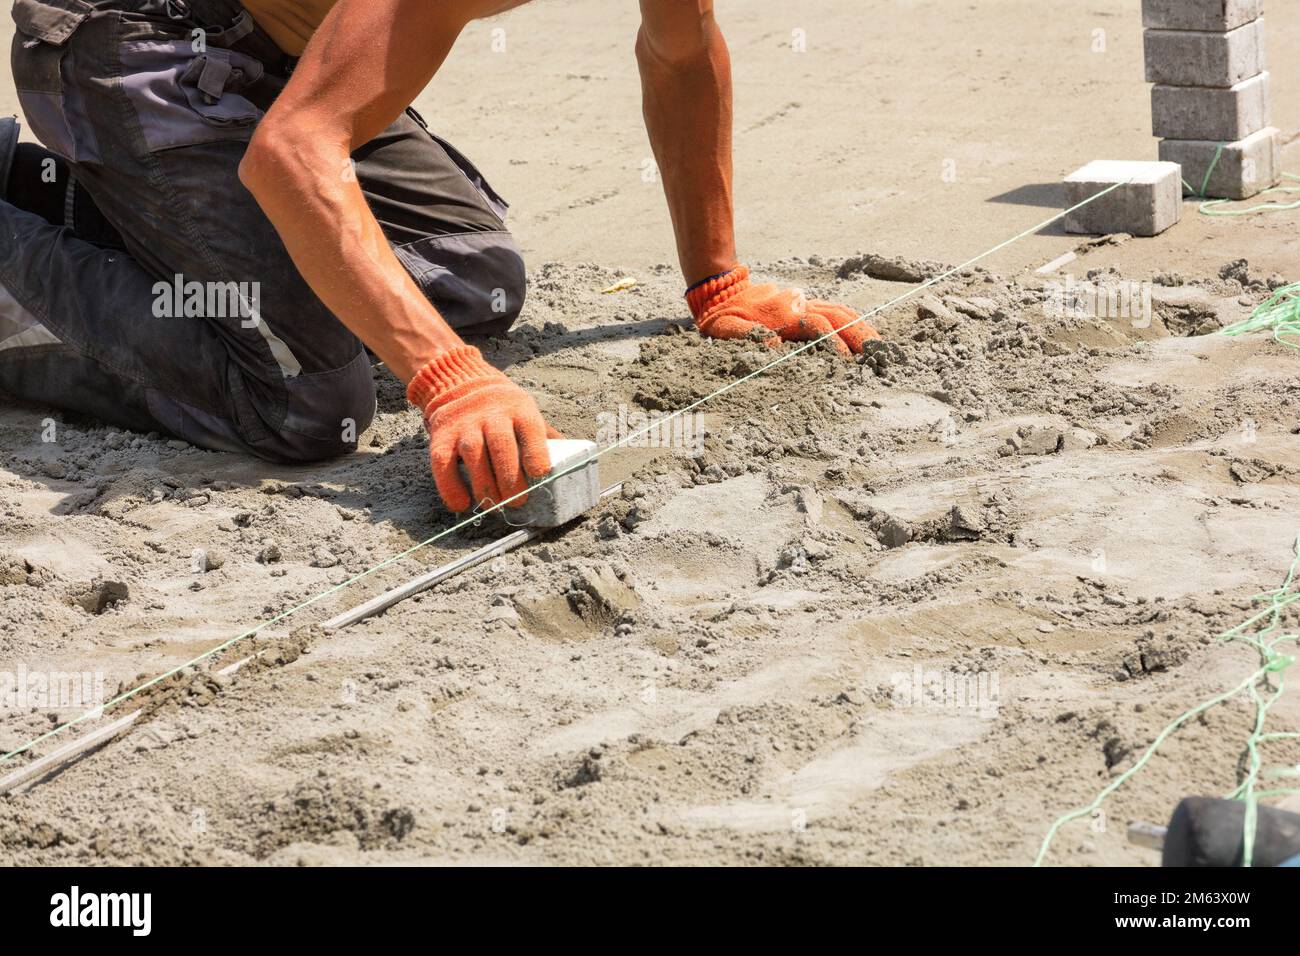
{"points": [[365, 64], [686, 98], [363, 67], [686, 85]]}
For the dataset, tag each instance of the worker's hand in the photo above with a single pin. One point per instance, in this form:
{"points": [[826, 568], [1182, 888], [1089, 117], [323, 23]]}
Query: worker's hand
{"points": [[476, 415], [728, 307]]}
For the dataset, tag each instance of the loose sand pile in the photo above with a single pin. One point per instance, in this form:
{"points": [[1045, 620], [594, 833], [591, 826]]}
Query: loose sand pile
{"points": [[906, 609]]}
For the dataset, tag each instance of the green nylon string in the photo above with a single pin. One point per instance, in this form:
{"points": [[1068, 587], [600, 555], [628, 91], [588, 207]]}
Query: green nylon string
{"points": [[1211, 207], [1272, 661], [1280, 314], [1205, 183], [1266, 643]]}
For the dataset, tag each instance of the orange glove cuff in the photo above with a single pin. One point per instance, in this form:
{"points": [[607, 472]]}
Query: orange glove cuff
{"points": [[449, 376], [711, 293]]}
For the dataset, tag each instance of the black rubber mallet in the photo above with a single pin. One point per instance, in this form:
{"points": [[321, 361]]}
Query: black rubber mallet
{"points": [[1207, 831]]}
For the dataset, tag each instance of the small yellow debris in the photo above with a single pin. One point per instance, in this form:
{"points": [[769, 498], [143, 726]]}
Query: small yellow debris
{"points": [[622, 285]]}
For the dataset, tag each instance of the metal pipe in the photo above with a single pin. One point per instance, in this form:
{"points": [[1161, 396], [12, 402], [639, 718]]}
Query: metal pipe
{"points": [[67, 753], [425, 581], [85, 743], [92, 739]]}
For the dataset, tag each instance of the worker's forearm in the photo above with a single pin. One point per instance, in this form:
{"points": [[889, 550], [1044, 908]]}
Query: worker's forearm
{"points": [[341, 251], [686, 93], [363, 66], [306, 189]]}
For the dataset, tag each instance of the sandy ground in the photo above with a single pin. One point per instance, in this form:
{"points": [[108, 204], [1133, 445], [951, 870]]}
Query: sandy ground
{"points": [[904, 610]]}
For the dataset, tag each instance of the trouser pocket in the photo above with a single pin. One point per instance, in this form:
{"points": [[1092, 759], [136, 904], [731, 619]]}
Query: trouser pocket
{"points": [[38, 57], [51, 21], [184, 98]]}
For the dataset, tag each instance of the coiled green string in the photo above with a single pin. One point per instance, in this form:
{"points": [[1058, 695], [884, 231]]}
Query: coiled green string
{"points": [[1211, 206], [1280, 313]]}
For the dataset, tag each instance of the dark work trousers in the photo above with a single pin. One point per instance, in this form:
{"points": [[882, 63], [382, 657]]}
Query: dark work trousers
{"points": [[141, 284]]}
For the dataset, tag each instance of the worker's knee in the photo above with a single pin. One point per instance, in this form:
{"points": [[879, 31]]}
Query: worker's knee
{"points": [[476, 280], [674, 31], [325, 413]]}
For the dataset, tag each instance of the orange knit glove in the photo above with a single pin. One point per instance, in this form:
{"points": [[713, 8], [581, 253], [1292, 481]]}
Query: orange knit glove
{"points": [[476, 415], [728, 307]]}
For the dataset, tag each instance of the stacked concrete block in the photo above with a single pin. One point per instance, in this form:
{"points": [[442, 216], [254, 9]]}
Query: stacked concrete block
{"points": [[1235, 170], [1211, 17], [1202, 112], [1210, 102], [1204, 58]]}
